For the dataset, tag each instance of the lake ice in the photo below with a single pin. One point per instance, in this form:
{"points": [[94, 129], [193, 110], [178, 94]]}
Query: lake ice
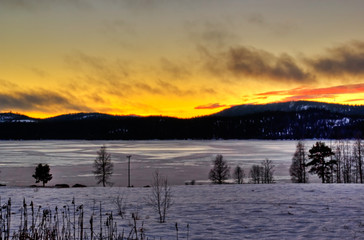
{"points": [[248, 211], [71, 161]]}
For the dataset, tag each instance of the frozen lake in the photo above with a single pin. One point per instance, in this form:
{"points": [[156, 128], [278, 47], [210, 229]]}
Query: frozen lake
{"points": [[71, 161]]}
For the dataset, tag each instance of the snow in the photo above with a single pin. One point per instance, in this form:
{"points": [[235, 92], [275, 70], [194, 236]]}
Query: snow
{"points": [[276, 211]]}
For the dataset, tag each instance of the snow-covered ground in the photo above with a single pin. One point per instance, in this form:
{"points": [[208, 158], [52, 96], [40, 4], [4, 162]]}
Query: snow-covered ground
{"points": [[276, 211]]}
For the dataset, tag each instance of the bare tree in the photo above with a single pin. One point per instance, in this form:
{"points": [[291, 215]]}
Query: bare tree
{"points": [[256, 174], [358, 159], [239, 174], [103, 167], [297, 169], [339, 161], [268, 171], [161, 198], [343, 150], [120, 204], [221, 171]]}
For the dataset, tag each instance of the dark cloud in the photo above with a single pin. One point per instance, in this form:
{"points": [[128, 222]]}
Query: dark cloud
{"points": [[254, 62], [345, 59], [251, 62], [46, 101]]}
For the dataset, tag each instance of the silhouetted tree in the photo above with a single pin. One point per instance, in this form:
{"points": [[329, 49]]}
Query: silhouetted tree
{"points": [[256, 174], [297, 169], [161, 198], [358, 159], [268, 171], [339, 161], [103, 166], [239, 174], [320, 166], [42, 174], [220, 172]]}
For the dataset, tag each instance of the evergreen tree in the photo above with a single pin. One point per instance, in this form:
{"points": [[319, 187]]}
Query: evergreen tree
{"points": [[318, 164], [297, 169], [42, 174], [220, 172], [103, 167]]}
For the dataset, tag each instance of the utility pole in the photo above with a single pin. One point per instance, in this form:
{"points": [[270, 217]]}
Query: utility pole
{"points": [[129, 156]]}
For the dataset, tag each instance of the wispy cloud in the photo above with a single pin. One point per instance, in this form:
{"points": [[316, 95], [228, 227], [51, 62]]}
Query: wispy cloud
{"points": [[355, 100], [46, 101], [35, 5], [344, 59], [177, 71], [315, 93], [278, 28], [256, 63], [212, 106]]}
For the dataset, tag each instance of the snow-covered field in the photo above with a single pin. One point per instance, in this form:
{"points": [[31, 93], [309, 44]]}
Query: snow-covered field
{"points": [[276, 211]]}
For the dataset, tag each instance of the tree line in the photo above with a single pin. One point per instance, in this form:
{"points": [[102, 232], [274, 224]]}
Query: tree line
{"points": [[308, 124], [258, 174], [341, 162]]}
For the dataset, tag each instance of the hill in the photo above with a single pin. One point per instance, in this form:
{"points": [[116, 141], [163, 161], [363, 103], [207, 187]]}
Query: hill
{"points": [[14, 117], [292, 120], [296, 106]]}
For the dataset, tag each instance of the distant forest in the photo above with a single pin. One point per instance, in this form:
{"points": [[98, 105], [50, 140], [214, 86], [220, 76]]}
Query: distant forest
{"points": [[305, 124]]}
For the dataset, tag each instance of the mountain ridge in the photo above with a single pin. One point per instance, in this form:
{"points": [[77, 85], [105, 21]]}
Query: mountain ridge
{"points": [[293, 106], [292, 120], [235, 111]]}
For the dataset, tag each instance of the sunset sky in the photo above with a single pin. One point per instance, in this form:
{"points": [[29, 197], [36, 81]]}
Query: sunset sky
{"points": [[181, 58]]}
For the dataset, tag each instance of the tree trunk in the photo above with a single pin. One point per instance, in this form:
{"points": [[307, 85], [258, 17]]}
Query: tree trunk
{"points": [[323, 171]]}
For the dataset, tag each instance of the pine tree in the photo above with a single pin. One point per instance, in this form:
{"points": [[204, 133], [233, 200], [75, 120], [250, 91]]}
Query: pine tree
{"points": [[42, 174], [320, 166]]}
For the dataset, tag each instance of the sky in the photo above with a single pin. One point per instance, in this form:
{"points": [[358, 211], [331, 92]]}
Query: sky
{"points": [[180, 58]]}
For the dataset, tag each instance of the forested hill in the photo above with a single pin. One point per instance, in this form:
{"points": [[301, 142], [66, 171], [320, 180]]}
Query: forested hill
{"points": [[296, 106], [294, 120]]}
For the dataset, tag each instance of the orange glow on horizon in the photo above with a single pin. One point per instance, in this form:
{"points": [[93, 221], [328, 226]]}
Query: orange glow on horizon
{"points": [[183, 59]]}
